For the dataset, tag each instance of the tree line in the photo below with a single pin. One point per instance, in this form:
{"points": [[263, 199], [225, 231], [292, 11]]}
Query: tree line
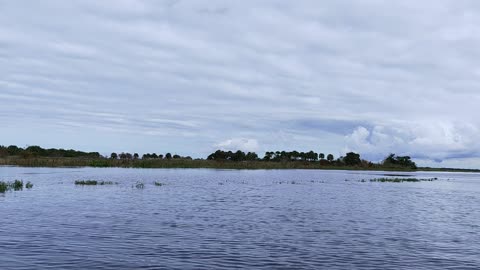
{"points": [[350, 159], [37, 151]]}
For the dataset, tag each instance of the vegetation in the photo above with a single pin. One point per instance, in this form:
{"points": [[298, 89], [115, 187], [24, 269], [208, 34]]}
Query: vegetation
{"points": [[16, 186], [35, 156], [86, 182], [93, 183], [28, 185], [401, 180], [158, 184]]}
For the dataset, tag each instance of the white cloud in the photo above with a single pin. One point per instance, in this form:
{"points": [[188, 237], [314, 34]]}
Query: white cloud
{"points": [[424, 140], [178, 72], [244, 144]]}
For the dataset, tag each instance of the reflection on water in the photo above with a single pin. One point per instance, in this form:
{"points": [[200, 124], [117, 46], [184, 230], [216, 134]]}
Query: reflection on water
{"points": [[218, 219]]}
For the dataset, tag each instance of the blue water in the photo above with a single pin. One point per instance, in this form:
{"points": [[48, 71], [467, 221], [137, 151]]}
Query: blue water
{"points": [[227, 219]]}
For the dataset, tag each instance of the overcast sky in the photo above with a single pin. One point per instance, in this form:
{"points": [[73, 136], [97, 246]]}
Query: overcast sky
{"points": [[188, 77]]}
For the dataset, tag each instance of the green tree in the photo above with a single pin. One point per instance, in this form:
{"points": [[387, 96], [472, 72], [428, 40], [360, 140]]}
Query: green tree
{"points": [[114, 155], [321, 156], [168, 156], [330, 157], [352, 159]]}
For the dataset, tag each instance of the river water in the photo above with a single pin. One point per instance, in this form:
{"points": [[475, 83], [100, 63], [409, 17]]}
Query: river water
{"points": [[238, 219]]}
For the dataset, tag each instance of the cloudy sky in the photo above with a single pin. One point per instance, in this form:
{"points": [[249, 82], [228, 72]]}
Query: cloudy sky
{"points": [[191, 76]]}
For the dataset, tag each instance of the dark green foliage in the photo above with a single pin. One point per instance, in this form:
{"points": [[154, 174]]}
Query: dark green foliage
{"points": [[400, 161], [352, 159], [29, 185], [220, 155], [16, 186], [401, 180], [114, 156], [93, 183], [3, 187], [37, 151], [330, 157], [158, 184], [139, 185], [86, 182]]}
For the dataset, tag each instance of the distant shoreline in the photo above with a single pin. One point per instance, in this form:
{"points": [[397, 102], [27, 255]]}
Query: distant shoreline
{"points": [[204, 164]]}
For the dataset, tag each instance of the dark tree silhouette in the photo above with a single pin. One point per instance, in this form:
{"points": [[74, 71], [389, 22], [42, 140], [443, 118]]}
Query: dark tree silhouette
{"points": [[114, 156]]}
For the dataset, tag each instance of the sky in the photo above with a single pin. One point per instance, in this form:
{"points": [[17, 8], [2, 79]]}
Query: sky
{"points": [[189, 77]]}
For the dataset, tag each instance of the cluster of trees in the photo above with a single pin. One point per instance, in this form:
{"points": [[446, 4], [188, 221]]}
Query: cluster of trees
{"points": [[350, 159], [135, 156], [233, 156], [400, 161], [294, 155], [37, 151]]}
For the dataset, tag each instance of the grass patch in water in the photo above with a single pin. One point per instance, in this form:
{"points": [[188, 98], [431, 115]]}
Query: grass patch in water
{"points": [[3, 187], [401, 180], [28, 185], [86, 182], [6, 186], [158, 184], [140, 185], [93, 183]]}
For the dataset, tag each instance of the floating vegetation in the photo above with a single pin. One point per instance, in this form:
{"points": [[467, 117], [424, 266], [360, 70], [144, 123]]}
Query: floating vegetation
{"points": [[28, 185], [86, 182], [401, 180], [94, 183], [158, 184], [140, 185], [16, 186], [107, 183], [3, 187]]}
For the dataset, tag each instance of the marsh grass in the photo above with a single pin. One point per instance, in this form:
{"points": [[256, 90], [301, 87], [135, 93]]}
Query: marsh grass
{"points": [[6, 186], [400, 180], [3, 187], [86, 182], [94, 183]]}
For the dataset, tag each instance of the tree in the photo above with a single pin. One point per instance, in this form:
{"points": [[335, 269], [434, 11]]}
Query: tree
{"points": [[168, 156], [176, 156], [135, 156], [123, 156], [321, 156], [352, 159], [114, 156], [330, 157]]}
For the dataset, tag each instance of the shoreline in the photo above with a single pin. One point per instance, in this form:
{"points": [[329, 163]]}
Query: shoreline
{"points": [[205, 164]]}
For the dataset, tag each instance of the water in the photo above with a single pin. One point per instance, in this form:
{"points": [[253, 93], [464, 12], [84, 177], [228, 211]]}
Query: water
{"points": [[226, 219]]}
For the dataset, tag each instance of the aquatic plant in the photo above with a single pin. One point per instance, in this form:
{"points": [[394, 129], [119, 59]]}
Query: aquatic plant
{"points": [[28, 185], [86, 182], [17, 185], [401, 180], [139, 185], [106, 183], [158, 184], [6, 186], [3, 187]]}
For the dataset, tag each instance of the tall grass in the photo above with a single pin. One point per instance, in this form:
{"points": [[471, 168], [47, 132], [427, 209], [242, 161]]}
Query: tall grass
{"points": [[16, 186]]}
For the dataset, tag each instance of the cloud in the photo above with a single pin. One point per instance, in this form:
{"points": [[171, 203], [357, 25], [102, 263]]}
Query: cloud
{"points": [[437, 141], [244, 144], [297, 75]]}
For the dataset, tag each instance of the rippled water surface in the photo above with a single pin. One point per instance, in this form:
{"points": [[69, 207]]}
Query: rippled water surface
{"points": [[226, 219]]}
